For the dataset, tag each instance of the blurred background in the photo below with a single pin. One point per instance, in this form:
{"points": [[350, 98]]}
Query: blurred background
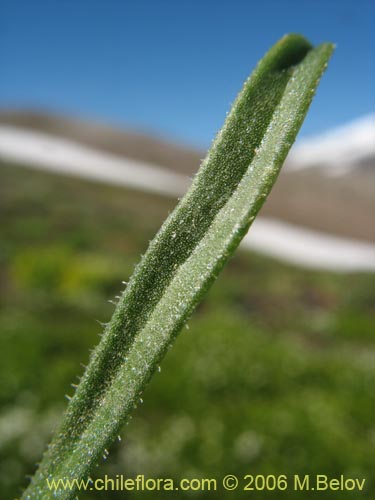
{"points": [[106, 110]]}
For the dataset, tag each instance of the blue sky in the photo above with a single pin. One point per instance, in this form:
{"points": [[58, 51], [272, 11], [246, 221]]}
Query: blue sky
{"points": [[174, 67]]}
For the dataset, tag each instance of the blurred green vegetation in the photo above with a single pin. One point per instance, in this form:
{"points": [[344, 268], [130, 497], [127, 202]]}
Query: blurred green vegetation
{"points": [[275, 374]]}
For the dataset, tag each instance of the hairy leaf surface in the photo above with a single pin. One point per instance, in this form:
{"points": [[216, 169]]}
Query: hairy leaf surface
{"points": [[186, 255]]}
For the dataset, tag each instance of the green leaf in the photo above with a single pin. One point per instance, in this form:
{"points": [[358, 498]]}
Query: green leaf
{"points": [[185, 257]]}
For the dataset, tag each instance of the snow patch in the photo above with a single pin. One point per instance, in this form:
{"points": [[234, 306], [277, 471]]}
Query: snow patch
{"points": [[338, 151], [289, 243]]}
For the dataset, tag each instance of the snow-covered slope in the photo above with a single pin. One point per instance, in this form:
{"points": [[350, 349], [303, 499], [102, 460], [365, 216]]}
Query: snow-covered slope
{"points": [[339, 150], [290, 243], [51, 153]]}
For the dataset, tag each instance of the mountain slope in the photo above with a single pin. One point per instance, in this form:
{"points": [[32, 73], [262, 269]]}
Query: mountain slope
{"points": [[308, 193]]}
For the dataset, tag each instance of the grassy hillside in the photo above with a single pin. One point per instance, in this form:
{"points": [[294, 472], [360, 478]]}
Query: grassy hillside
{"points": [[275, 374]]}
